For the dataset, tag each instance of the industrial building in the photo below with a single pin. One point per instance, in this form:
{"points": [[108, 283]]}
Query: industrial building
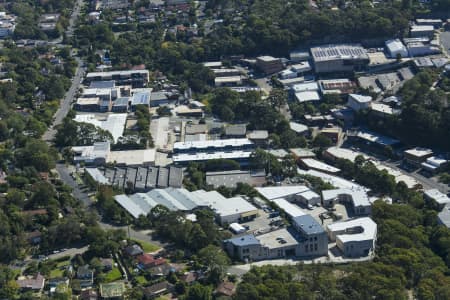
{"points": [[435, 164], [395, 48], [421, 30], [357, 198], [141, 178], [416, 156], [135, 78], [231, 178], [287, 192], [269, 64], [7, 25], [355, 238], [437, 196], [100, 153], [227, 210], [306, 238], [113, 123], [444, 216], [235, 149], [340, 86], [313, 164], [359, 102], [339, 58]]}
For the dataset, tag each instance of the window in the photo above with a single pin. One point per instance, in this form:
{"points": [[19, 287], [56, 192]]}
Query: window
{"points": [[310, 239], [306, 248], [315, 247], [315, 238], [311, 247], [246, 250]]}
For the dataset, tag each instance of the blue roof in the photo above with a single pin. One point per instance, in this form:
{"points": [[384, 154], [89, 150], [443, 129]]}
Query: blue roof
{"points": [[308, 225], [245, 240]]}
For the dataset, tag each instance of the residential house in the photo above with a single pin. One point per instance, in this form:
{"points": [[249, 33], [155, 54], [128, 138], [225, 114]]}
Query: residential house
{"points": [[158, 289], [34, 283]]}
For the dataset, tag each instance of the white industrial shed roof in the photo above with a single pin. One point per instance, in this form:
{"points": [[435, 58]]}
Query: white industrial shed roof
{"points": [[275, 192], [97, 175], [367, 230], [359, 196], [181, 199], [289, 208]]}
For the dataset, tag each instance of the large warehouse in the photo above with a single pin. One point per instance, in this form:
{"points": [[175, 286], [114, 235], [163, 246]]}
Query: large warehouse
{"points": [[227, 210], [339, 58]]}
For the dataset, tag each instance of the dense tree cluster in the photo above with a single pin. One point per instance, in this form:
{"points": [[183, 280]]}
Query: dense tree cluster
{"points": [[425, 117], [260, 114], [412, 255]]}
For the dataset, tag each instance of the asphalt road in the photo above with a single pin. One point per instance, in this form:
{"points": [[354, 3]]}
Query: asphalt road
{"points": [[66, 102]]}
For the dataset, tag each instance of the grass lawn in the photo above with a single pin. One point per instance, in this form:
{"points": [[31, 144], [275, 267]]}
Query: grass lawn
{"points": [[147, 246], [56, 273], [113, 275], [141, 280]]}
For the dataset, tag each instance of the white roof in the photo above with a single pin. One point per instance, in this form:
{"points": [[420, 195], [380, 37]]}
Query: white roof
{"points": [[383, 108], [267, 58], [275, 192], [132, 157], [97, 175], [360, 98], [395, 45], [111, 73], [307, 86], [376, 138], [331, 179], [224, 206], [301, 67], [130, 206], [227, 79], [419, 151], [297, 127], [422, 28], [90, 153], [435, 162], [114, 123], [307, 96], [212, 144], [309, 195], [312, 163], [181, 157], [343, 153], [236, 227], [358, 195], [368, 226], [212, 64], [437, 196], [291, 209], [88, 101]]}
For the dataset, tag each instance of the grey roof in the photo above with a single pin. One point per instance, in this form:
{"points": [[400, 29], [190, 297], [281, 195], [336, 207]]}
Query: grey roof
{"points": [[163, 177], [122, 101], [152, 177], [175, 177], [196, 128], [141, 98], [245, 240], [444, 216], [155, 96], [308, 225], [106, 84], [236, 129]]}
